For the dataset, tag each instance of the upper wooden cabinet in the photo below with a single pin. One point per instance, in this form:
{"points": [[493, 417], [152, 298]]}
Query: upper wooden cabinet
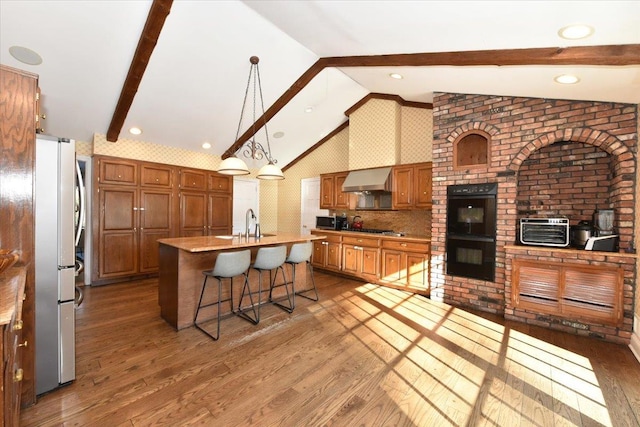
{"points": [[412, 186], [220, 183], [193, 179], [331, 194], [154, 175], [117, 171]]}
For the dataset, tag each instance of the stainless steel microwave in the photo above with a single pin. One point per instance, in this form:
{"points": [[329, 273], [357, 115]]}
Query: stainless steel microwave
{"points": [[331, 222]]}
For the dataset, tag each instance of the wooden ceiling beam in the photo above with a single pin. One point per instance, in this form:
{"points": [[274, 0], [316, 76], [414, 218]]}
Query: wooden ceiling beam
{"points": [[616, 55], [148, 39]]}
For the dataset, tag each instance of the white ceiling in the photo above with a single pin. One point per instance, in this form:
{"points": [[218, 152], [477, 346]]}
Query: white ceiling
{"points": [[194, 84]]}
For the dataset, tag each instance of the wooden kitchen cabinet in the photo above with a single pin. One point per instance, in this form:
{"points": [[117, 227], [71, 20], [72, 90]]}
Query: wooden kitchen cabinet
{"points": [[573, 291], [331, 194], [140, 202], [327, 253], [12, 289], [412, 186], [360, 256], [405, 265]]}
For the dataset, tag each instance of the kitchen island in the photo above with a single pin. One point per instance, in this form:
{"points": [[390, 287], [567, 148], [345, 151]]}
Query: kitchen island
{"points": [[183, 259]]}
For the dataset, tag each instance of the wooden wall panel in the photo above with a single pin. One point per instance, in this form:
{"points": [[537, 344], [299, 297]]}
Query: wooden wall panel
{"points": [[17, 141]]}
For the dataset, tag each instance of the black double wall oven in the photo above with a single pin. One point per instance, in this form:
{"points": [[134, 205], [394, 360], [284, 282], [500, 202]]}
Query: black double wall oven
{"points": [[471, 230]]}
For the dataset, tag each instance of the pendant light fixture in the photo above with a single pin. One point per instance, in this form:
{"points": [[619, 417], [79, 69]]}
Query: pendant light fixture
{"points": [[233, 165]]}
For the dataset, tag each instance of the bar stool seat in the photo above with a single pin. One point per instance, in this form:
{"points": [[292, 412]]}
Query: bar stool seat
{"points": [[268, 258], [301, 252], [228, 265]]}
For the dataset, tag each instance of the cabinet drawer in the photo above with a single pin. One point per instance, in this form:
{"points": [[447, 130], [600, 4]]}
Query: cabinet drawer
{"points": [[332, 238], [118, 172], [220, 183], [155, 176], [361, 241], [193, 179], [399, 245]]}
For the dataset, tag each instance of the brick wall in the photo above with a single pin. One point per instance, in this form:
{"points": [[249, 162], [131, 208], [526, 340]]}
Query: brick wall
{"points": [[604, 135]]}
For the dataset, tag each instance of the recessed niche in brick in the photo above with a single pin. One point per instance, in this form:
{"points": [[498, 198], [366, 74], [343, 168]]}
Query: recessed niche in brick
{"points": [[471, 150]]}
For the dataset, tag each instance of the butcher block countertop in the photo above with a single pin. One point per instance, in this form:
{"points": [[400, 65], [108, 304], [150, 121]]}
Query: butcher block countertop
{"points": [[220, 243]]}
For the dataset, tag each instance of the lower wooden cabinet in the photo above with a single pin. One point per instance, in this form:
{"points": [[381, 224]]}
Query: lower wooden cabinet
{"points": [[361, 257], [12, 283], [573, 291], [406, 265], [327, 253], [391, 261]]}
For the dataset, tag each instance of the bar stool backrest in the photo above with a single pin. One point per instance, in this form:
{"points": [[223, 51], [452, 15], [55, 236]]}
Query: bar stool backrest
{"points": [[231, 264], [270, 257], [300, 252]]}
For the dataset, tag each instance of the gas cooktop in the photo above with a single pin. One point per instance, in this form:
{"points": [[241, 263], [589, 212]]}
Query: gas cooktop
{"points": [[376, 231]]}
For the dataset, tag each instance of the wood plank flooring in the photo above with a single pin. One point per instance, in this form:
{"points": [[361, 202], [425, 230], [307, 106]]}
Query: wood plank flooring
{"points": [[362, 355]]}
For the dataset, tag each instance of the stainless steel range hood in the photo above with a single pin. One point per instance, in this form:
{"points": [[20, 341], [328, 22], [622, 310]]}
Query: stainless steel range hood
{"points": [[368, 180]]}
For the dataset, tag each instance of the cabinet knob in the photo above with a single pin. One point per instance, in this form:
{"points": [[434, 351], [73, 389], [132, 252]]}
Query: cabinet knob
{"points": [[403, 245], [24, 344], [157, 180], [18, 325], [17, 376]]}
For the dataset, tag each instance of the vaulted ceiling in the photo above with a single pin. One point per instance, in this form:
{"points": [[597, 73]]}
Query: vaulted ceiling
{"points": [[322, 56]]}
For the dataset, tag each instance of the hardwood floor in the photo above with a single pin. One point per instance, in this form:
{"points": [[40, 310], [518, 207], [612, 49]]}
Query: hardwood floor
{"points": [[362, 355]]}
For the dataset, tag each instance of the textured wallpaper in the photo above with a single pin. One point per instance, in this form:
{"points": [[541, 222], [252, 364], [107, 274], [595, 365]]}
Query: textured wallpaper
{"points": [[84, 148], [150, 152], [374, 135], [416, 135], [332, 156]]}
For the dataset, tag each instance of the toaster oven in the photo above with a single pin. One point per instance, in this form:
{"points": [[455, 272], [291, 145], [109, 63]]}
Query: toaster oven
{"points": [[544, 231]]}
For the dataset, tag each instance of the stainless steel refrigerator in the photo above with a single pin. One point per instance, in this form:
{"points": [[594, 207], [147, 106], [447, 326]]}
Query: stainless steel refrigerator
{"points": [[54, 206]]}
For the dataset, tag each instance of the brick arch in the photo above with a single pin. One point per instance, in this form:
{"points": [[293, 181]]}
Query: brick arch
{"points": [[622, 194], [597, 138], [471, 127]]}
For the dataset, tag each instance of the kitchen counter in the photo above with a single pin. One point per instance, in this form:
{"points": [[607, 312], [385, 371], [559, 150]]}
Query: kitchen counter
{"points": [[404, 238], [183, 259]]}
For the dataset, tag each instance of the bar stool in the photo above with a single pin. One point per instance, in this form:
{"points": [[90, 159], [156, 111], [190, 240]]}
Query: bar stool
{"points": [[268, 258], [228, 265], [301, 252]]}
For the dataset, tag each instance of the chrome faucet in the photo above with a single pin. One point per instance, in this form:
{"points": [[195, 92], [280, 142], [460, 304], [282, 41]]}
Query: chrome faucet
{"points": [[249, 215]]}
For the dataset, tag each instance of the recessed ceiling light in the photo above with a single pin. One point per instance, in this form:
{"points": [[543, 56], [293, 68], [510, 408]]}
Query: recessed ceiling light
{"points": [[278, 134], [396, 76], [135, 131], [308, 109], [566, 79], [24, 55], [576, 32], [206, 145]]}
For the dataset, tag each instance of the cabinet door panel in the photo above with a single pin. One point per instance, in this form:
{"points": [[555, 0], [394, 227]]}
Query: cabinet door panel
{"points": [[402, 187], [193, 214], [392, 269], [220, 183], [341, 199], [192, 179], [155, 176], [326, 192], [369, 262], [417, 271], [118, 171], [423, 192], [333, 255], [118, 254], [149, 251], [350, 259], [219, 212], [319, 249], [118, 209], [155, 210]]}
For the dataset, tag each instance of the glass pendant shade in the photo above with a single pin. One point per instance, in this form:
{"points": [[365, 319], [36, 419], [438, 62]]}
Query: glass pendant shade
{"points": [[270, 171], [233, 166]]}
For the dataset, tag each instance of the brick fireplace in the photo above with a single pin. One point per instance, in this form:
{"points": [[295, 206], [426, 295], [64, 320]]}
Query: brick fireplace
{"points": [[550, 158]]}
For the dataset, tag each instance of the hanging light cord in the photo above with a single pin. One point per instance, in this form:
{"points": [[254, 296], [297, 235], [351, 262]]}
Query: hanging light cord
{"points": [[254, 149]]}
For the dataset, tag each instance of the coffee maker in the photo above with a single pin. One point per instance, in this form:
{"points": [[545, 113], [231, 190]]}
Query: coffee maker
{"points": [[603, 220]]}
